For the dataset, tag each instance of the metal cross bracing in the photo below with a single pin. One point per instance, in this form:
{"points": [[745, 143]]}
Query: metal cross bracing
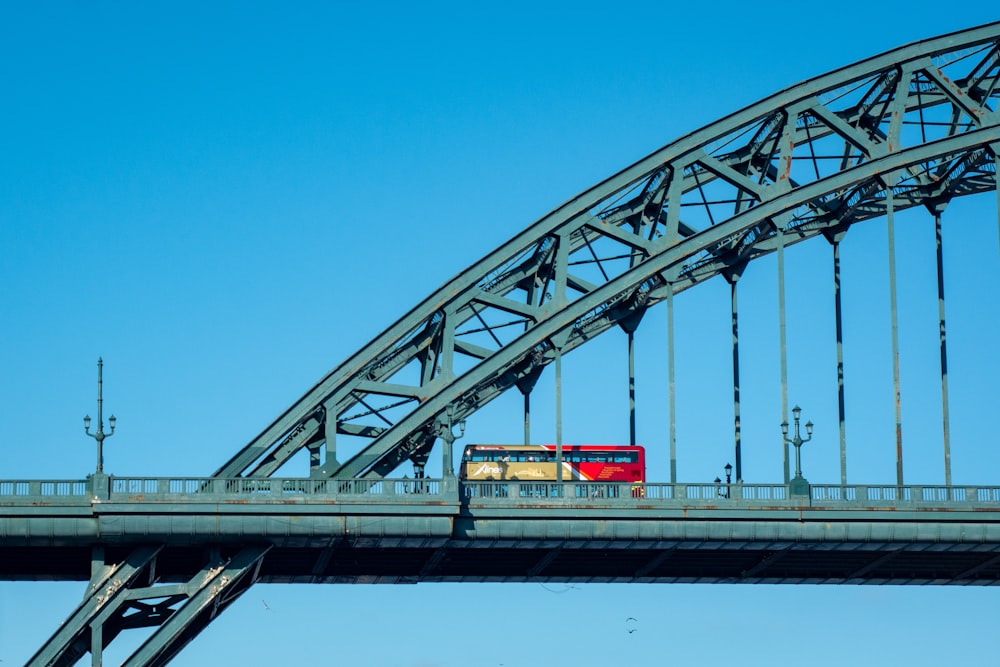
{"points": [[812, 160], [915, 126]]}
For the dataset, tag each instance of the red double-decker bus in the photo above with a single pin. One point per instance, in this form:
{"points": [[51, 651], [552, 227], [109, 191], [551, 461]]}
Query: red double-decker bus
{"points": [[537, 463]]}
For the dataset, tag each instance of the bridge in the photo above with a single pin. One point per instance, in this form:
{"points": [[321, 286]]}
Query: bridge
{"points": [[915, 128]]}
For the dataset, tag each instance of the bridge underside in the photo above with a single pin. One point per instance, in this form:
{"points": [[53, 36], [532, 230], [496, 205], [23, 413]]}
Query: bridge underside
{"points": [[493, 544], [918, 126], [366, 562]]}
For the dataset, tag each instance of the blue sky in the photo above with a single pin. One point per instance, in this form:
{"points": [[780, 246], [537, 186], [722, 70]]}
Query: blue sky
{"points": [[226, 201]]}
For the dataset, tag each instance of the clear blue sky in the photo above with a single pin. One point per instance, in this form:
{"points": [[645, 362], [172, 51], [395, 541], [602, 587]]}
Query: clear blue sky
{"points": [[225, 202]]}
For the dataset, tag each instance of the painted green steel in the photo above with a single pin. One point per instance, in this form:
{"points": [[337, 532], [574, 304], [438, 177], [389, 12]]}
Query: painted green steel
{"points": [[750, 184], [27, 497], [671, 389], [216, 588], [127, 595], [107, 594], [164, 511], [483, 531], [943, 345], [135, 540], [841, 390], [508, 313], [894, 328], [99, 436]]}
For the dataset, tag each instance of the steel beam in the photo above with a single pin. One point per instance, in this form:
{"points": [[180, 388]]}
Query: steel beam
{"points": [[748, 154], [578, 323], [208, 594], [84, 629]]}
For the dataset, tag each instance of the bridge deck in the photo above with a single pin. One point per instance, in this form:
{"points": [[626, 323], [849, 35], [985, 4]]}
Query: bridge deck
{"points": [[406, 531]]}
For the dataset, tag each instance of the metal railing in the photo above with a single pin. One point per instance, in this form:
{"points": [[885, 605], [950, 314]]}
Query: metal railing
{"points": [[631, 492], [153, 487], [719, 494], [42, 488], [882, 494], [196, 489]]}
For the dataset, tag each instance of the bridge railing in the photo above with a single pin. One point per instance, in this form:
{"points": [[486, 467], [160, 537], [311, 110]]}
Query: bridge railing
{"points": [[151, 489], [43, 488], [877, 494], [132, 486], [721, 493], [139, 489], [649, 492]]}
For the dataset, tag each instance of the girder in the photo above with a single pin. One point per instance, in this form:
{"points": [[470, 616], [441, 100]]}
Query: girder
{"points": [[173, 556], [106, 595], [813, 159], [123, 595]]}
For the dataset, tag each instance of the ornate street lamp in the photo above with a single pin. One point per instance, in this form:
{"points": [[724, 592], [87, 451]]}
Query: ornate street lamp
{"points": [[724, 492], [100, 435], [446, 431], [798, 486]]}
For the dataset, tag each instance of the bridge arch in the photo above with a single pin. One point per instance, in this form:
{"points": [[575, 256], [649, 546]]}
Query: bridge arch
{"points": [[916, 126]]}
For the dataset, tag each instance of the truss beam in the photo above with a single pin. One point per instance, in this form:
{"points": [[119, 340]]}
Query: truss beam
{"points": [[115, 603], [811, 159]]}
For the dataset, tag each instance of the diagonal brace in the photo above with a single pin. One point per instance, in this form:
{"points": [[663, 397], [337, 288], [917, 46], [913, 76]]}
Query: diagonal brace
{"points": [[109, 593], [216, 589]]}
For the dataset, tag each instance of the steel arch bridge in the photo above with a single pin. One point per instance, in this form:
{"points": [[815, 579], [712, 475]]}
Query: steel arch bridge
{"points": [[917, 126]]}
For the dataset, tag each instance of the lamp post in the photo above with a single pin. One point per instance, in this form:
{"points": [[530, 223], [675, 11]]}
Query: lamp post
{"points": [[724, 492], [798, 486], [100, 435], [447, 434]]}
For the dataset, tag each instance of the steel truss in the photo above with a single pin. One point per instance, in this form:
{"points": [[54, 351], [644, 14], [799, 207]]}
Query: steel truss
{"points": [[124, 594], [921, 122], [813, 159]]}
